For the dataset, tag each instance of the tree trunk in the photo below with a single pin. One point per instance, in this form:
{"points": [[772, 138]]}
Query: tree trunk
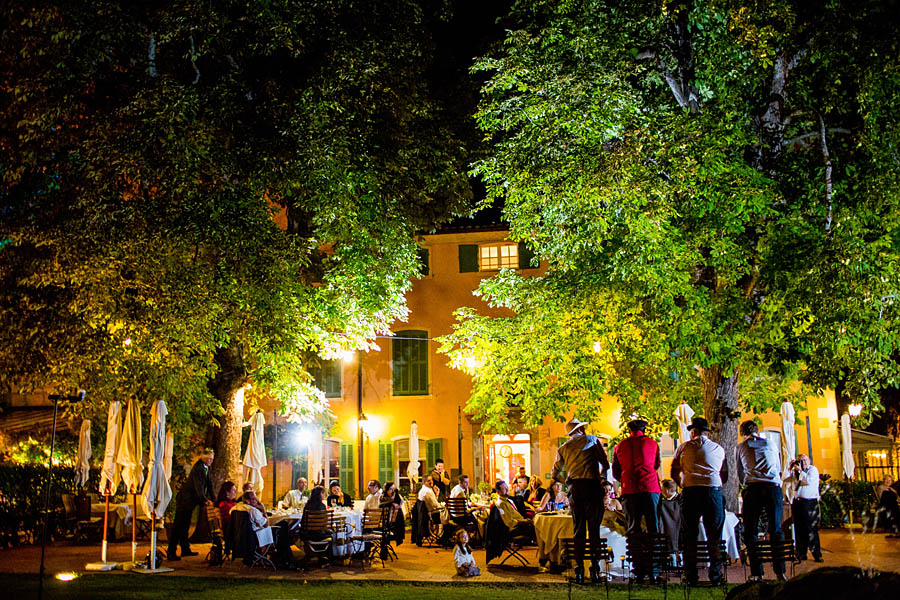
{"points": [[228, 388], [720, 406]]}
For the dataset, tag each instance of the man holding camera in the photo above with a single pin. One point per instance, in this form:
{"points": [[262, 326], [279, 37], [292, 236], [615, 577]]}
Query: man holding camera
{"points": [[803, 491]]}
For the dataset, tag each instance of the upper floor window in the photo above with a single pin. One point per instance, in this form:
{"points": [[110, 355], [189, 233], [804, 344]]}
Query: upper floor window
{"points": [[493, 257], [326, 375], [409, 356]]}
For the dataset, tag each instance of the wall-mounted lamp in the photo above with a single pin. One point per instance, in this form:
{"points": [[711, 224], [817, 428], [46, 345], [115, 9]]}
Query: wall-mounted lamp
{"points": [[855, 409]]}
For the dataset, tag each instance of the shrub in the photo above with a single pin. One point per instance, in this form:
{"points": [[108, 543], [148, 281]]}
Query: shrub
{"points": [[839, 497]]}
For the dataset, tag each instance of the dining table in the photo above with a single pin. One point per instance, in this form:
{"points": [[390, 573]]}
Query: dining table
{"points": [[119, 516], [343, 544], [552, 528]]}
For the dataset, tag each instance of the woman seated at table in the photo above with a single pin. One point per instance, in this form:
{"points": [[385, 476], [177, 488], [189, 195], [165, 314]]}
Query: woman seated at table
{"points": [[554, 499], [337, 497], [316, 503], [390, 497], [613, 514], [225, 502], [533, 498], [257, 515], [249, 497]]}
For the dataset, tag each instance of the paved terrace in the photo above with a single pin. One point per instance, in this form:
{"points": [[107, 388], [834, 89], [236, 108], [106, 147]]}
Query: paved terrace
{"points": [[432, 565]]}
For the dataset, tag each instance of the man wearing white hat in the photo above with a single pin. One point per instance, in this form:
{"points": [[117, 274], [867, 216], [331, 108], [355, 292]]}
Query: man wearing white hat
{"points": [[585, 461]]}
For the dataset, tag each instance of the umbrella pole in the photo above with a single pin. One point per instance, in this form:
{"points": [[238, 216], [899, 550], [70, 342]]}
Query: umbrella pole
{"points": [[153, 539], [134, 529], [105, 527]]}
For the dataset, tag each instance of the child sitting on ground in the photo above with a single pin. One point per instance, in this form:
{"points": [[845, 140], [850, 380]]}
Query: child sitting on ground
{"points": [[462, 555]]}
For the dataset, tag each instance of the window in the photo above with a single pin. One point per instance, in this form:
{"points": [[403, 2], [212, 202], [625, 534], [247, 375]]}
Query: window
{"points": [[495, 257], [326, 376], [410, 363], [492, 257], [422, 255]]}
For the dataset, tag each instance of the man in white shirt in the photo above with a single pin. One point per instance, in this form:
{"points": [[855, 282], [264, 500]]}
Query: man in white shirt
{"points": [[700, 465], [759, 469], [803, 491], [373, 500], [296, 498], [512, 518]]}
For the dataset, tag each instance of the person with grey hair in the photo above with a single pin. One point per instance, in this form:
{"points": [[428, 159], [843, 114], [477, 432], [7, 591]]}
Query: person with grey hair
{"points": [[803, 490], [196, 491], [759, 470]]}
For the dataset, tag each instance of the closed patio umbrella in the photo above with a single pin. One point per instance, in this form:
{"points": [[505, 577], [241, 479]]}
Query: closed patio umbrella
{"points": [[412, 470], [683, 415], [315, 457], [109, 476], [130, 461], [788, 451], [157, 492], [847, 448], [83, 464], [255, 456], [167, 460]]}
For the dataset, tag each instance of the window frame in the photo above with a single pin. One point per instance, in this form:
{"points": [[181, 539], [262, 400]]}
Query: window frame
{"points": [[402, 339]]}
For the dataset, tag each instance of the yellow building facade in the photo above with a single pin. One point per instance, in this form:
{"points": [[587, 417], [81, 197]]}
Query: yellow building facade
{"points": [[406, 380]]}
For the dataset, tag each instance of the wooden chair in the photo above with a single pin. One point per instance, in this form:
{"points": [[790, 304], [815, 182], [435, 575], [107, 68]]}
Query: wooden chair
{"points": [[84, 531], [316, 533], [458, 509], [375, 534], [703, 553], [649, 553], [771, 552], [595, 551], [217, 552]]}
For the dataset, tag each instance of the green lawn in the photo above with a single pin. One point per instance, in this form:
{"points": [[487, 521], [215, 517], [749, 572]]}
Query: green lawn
{"points": [[125, 586]]}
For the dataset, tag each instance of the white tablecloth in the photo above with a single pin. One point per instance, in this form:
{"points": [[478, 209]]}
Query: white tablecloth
{"points": [[732, 547], [119, 516], [342, 545], [550, 530], [278, 516]]}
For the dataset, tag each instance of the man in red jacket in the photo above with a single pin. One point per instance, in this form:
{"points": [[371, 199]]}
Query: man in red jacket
{"points": [[635, 463]]}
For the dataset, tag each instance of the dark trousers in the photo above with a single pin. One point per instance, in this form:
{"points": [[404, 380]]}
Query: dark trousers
{"points": [[586, 498], [180, 528], [706, 502], [806, 527], [759, 498], [641, 506]]}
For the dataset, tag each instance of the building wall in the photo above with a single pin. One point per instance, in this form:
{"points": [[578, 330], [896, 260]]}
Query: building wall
{"points": [[432, 302]]}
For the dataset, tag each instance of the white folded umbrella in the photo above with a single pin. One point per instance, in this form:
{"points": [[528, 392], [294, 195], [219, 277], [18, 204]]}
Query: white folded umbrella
{"points": [[315, 457], [255, 456], [83, 464], [157, 492], [788, 451], [847, 450], [131, 463], [412, 470], [683, 415], [110, 476]]}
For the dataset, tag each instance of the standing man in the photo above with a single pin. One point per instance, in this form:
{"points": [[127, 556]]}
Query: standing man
{"points": [[441, 479], [759, 470], [803, 486], [585, 460], [700, 466], [195, 491]]}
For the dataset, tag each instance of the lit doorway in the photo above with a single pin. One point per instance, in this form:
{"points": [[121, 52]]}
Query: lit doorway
{"points": [[505, 454]]}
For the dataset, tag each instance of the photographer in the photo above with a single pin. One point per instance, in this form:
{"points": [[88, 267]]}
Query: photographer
{"points": [[803, 490]]}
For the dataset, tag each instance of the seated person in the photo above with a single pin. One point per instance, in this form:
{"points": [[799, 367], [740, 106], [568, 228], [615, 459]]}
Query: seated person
{"points": [[257, 514], [520, 486], [428, 497], [373, 500], [315, 502], [887, 514], [554, 499], [225, 501], [517, 525], [613, 514], [296, 498], [337, 497], [536, 493], [669, 513], [390, 497], [475, 513]]}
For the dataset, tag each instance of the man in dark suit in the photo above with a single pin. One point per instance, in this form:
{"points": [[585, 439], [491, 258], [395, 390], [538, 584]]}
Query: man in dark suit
{"points": [[195, 491]]}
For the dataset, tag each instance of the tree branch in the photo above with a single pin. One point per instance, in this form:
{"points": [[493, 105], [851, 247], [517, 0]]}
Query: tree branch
{"points": [[151, 56], [667, 74], [796, 140], [194, 62], [828, 186]]}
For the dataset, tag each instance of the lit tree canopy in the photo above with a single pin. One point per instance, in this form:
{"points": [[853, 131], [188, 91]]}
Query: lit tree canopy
{"points": [[715, 187], [147, 150]]}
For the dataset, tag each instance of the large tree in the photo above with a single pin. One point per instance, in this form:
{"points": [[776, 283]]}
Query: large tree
{"points": [[716, 189], [195, 195]]}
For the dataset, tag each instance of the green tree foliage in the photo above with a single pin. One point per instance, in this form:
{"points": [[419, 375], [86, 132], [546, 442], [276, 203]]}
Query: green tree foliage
{"points": [[148, 151], [715, 188]]}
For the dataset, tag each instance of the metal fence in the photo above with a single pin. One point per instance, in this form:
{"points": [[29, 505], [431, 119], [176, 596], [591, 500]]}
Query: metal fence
{"points": [[876, 473]]}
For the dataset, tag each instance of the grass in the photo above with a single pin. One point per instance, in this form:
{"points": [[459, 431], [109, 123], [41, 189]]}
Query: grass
{"points": [[132, 586]]}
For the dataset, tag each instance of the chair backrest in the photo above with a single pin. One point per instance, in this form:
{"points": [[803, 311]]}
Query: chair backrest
{"points": [[315, 520], [68, 501], [373, 518], [771, 551], [413, 496], [596, 550], [456, 507], [647, 549], [214, 519], [696, 551], [337, 522]]}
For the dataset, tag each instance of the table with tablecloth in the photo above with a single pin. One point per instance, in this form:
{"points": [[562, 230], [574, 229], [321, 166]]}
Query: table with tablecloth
{"points": [[551, 530], [119, 516], [343, 545], [732, 545]]}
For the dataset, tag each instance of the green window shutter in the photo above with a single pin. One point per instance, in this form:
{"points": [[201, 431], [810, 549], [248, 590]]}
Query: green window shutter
{"points": [[326, 376], [409, 366], [347, 475], [423, 261], [565, 471], [468, 258], [525, 256], [385, 462], [434, 449]]}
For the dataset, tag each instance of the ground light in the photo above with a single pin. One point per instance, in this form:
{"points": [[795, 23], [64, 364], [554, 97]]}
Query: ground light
{"points": [[66, 576]]}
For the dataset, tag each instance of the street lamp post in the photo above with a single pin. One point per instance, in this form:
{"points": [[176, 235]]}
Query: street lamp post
{"points": [[360, 418]]}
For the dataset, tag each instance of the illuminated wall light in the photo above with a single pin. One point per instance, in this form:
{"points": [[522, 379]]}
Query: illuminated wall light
{"points": [[347, 356], [66, 576], [855, 409]]}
